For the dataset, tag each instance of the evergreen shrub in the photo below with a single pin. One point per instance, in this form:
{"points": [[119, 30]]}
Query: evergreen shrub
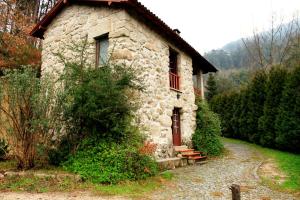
{"points": [[206, 136]]}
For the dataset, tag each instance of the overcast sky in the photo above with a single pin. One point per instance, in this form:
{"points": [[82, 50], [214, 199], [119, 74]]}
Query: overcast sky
{"points": [[210, 24]]}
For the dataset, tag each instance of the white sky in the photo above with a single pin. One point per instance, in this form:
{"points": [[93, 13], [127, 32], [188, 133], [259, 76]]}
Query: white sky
{"points": [[210, 24]]}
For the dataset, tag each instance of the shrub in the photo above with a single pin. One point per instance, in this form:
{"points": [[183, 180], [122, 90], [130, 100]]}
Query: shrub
{"points": [[206, 136], [31, 112], [270, 109], [3, 149], [97, 101], [266, 111], [98, 105], [60, 153], [110, 162], [288, 118], [256, 99]]}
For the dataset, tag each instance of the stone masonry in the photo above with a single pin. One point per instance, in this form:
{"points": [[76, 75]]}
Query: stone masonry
{"points": [[133, 43]]}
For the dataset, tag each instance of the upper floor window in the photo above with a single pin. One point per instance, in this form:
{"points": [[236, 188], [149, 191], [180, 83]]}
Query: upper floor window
{"points": [[101, 50], [173, 69], [173, 61]]}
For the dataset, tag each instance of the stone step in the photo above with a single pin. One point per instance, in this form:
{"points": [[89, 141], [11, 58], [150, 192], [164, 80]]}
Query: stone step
{"points": [[185, 150], [171, 163], [201, 162], [190, 154], [177, 148], [197, 157]]}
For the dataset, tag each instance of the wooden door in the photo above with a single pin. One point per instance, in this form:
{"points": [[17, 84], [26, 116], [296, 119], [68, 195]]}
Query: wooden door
{"points": [[176, 127]]}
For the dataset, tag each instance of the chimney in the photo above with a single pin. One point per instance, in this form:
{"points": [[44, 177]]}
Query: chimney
{"points": [[177, 31]]}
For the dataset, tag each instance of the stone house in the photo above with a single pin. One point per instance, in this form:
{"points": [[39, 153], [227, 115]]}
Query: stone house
{"points": [[170, 68]]}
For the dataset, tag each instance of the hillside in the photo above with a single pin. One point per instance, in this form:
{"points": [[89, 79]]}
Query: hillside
{"points": [[266, 48]]}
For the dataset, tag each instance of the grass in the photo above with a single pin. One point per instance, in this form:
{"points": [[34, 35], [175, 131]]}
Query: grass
{"points": [[42, 185], [7, 165], [288, 163], [30, 183], [168, 175]]}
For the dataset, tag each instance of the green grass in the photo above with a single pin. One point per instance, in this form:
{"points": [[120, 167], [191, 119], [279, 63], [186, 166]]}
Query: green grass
{"points": [[41, 185], [7, 165], [30, 183], [132, 189], [168, 175], [288, 163]]}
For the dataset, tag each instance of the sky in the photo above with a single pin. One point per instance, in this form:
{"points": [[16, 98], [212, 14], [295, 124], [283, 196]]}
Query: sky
{"points": [[210, 24]]}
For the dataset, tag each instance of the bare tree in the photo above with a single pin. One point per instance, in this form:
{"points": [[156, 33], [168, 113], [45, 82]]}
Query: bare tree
{"points": [[274, 46]]}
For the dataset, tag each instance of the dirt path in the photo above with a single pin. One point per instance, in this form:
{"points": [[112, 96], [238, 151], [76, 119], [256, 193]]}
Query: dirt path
{"points": [[212, 180], [203, 182]]}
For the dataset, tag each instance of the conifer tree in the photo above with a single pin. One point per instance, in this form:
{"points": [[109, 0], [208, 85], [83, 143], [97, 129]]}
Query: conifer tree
{"points": [[243, 118], [211, 87], [236, 113], [256, 99], [288, 119], [275, 83]]}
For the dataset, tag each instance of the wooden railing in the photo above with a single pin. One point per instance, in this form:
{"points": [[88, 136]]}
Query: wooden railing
{"points": [[174, 81], [197, 92]]}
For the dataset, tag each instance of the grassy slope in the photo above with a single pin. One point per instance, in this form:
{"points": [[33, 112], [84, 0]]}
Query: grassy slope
{"points": [[287, 162]]}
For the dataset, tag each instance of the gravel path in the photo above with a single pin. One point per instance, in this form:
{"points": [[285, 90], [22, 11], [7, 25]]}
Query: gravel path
{"points": [[202, 182], [213, 179]]}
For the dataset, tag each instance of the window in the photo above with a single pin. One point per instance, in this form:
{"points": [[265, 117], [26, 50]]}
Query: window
{"points": [[173, 70], [173, 61], [101, 50]]}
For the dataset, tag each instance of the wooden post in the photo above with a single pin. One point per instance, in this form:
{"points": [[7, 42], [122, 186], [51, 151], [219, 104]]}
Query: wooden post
{"points": [[236, 192]]}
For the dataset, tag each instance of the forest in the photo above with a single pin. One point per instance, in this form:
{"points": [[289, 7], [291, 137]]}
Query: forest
{"points": [[17, 18]]}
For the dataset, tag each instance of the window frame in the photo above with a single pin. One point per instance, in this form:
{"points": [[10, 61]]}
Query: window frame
{"points": [[174, 78], [174, 53], [98, 47]]}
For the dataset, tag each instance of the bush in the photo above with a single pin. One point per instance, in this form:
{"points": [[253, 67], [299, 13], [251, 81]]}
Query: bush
{"points": [[3, 149], [110, 162], [97, 101], [30, 111], [288, 118], [270, 109], [266, 112], [206, 136], [256, 99], [98, 107], [61, 153]]}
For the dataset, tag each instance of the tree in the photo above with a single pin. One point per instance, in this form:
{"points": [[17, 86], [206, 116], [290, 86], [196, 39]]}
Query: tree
{"points": [[288, 118], [17, 17], [236, 114], [256, 99], [274, 85], [211, 87], [16, 47], [273, 46], [31, 113], [243, 120]]}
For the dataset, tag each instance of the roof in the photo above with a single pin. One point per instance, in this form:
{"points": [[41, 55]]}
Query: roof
{"points": [[131, 5]]}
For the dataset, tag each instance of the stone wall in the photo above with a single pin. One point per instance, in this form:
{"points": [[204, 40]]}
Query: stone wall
{"points": [[132, 43]]}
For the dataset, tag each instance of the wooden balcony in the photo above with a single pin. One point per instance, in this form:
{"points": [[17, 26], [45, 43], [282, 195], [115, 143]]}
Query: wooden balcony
{"points": [[174, 81]]}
